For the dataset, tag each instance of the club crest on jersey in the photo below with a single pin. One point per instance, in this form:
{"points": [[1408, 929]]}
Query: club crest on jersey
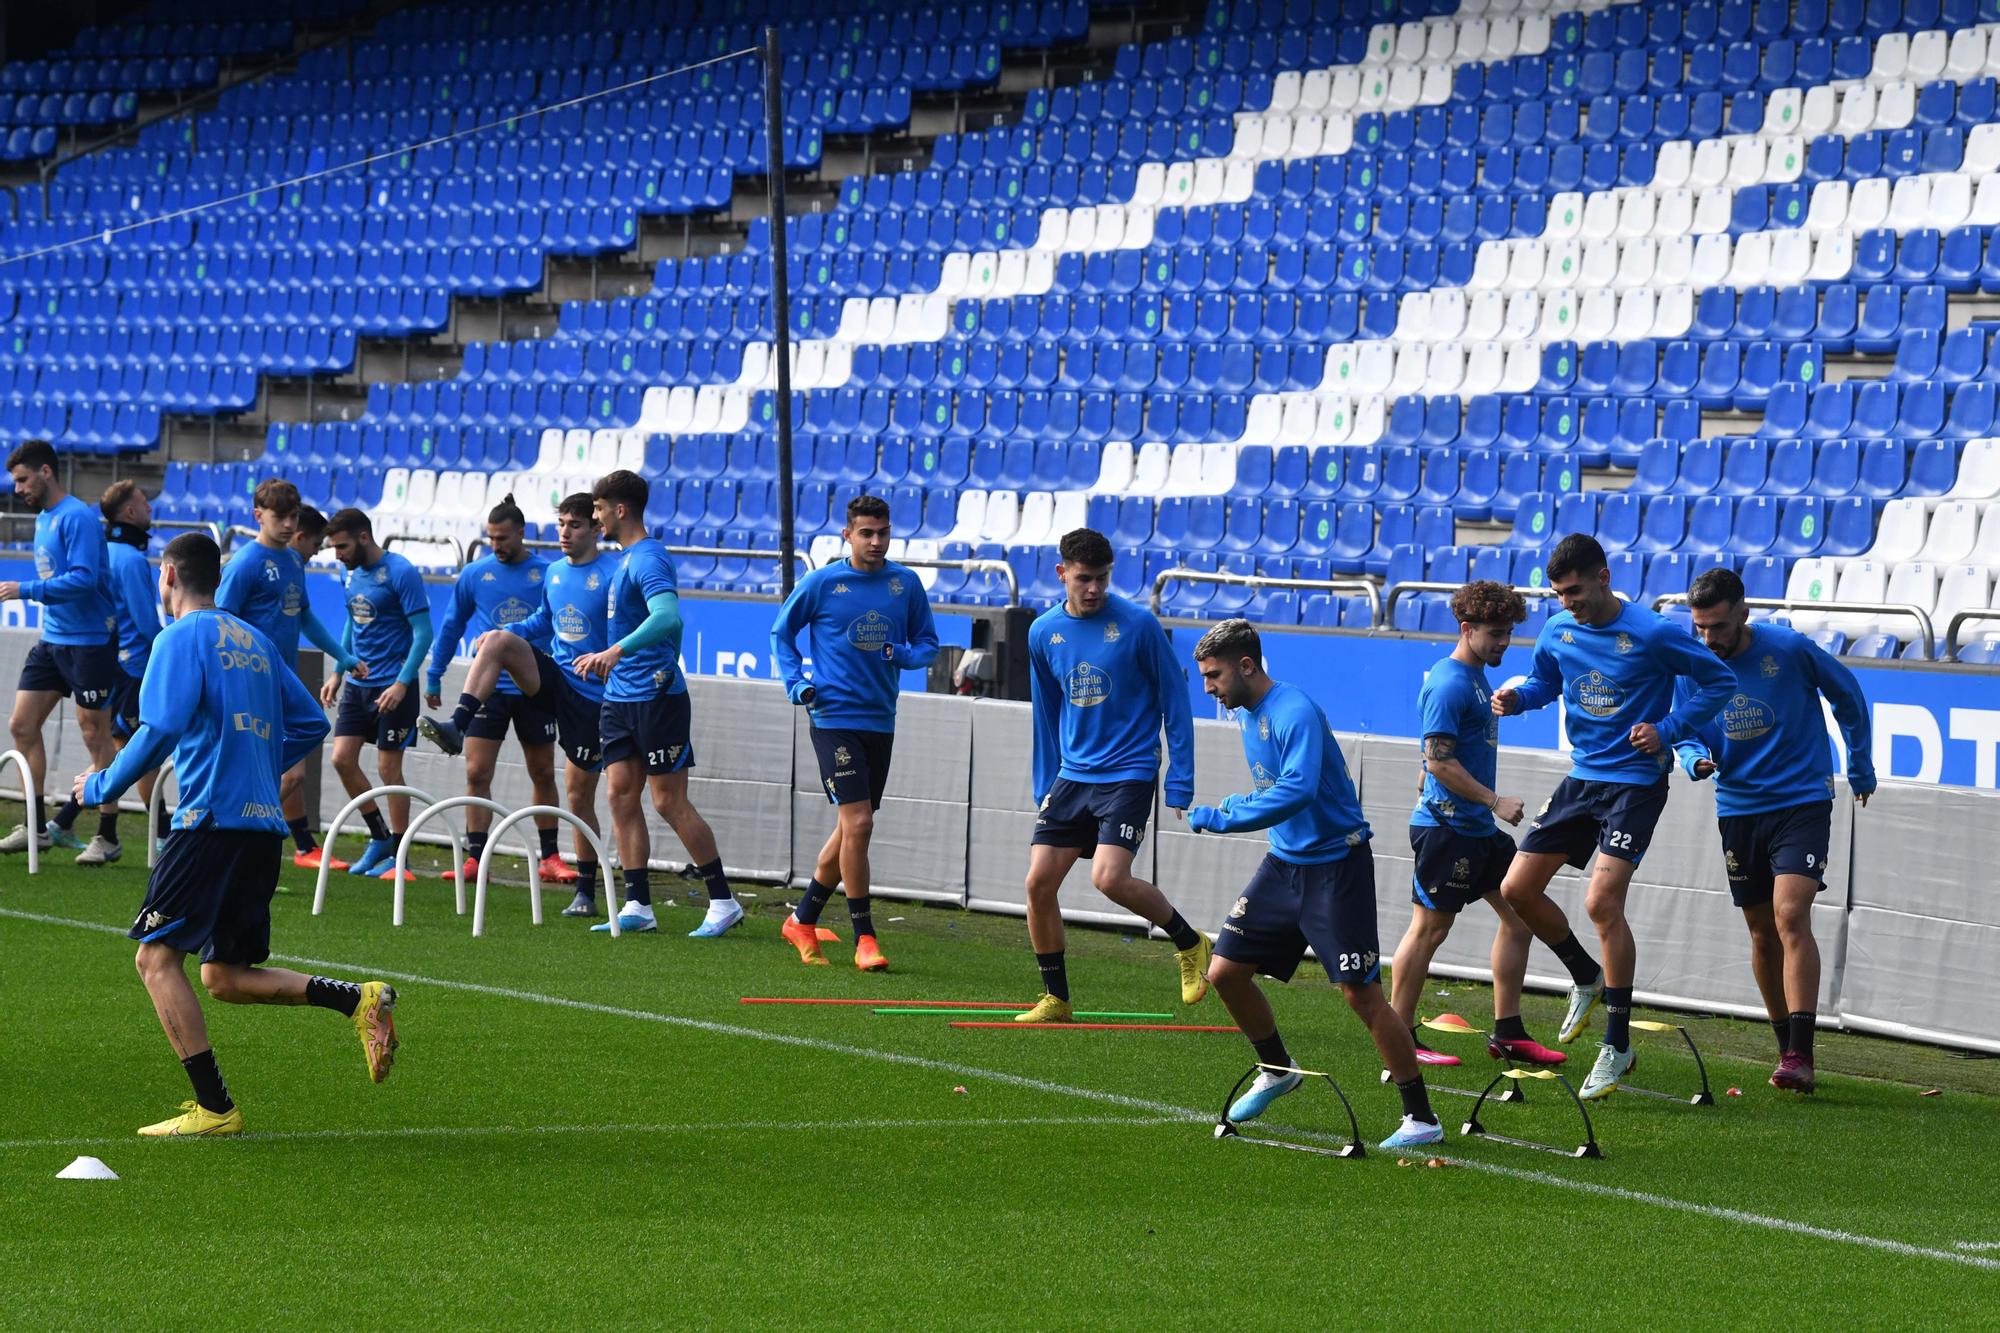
{"points": [[1769, 667], [1242, 906], [381, 574], [1111, 634], [1462, 868], [841, 755], [1624, 643], [1599, 695], [1088, 686], [895, 587], [535, 574], [591, 581], [1263, 728]]}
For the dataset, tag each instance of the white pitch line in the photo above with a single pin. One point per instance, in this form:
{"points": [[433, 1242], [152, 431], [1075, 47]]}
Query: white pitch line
{"points": [[1976, 1245], [684, 1127], [1164, 1109]]}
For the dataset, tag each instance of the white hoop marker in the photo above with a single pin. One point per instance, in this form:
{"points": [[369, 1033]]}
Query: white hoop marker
{"points": [[28, 797], [166, 770], [457, 863], [347, 811], [534, 892]]}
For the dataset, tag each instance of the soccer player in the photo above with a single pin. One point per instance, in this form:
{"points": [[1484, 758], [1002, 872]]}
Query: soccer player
{"points": [[494, 592], [646, 722], [264, 583], [233, 721], [1103, 681], [389, 628], [135, 601], [1316, 886], [573, 619], [869, 622], [77, 655], [1461, 854], [1767, 751], [1613, 665]]}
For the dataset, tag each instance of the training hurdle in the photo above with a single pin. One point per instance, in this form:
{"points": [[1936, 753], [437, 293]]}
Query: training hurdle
{"points": [[20, 761], [534, 894], [1702, 1098], [429, 812], [1225, 1128], [347, 811], [1473, 1129], [166, 771]]}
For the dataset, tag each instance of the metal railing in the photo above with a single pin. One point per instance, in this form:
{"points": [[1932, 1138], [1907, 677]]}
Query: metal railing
{"points": [[1000, 567], [209, 526], [1181, 574], [1402, 590], [742, 553], [438, 539], [1963, 617], [1915, 612]]}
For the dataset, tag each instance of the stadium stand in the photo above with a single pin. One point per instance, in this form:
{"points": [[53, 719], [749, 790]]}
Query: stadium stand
{"points": [[1298, 293]]}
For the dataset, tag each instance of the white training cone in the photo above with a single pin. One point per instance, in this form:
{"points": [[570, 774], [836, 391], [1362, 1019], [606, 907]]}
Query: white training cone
{"points": [[86, 1168]]}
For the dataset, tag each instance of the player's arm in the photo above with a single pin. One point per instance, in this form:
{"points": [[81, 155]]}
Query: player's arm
{"points": [[1441, 762], [792, 618], [417, 610], [1543, 686], [305, 724], [232, 592], [446, 645], [319, 636], [85, 565], [1850, 712], [141, 597], [1712, 683], [922, 649], [539, 626], [1698, 748], [1301, 749], [1170, 696], [169, 694], [1045, 703]]}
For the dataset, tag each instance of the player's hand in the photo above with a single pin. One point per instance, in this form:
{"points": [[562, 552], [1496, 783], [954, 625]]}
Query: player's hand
{"points": [[329, 691], [1506, 703], [1703, 769], [390, 699], [1508, 809], [10, 592], [76, 786], [888, 652], [1860, 798], [597, 666], [1204, 819], [433, 700], [360, 671], [1180, 812], [480, 642], [1645, 738]]}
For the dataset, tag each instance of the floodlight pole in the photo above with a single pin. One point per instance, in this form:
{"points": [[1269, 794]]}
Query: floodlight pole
{"points": [[781, 296]]}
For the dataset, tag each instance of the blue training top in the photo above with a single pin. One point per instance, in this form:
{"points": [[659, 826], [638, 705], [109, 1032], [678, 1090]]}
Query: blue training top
{"points": [[1769, 742], [866, 629], [1613, 677], [135, 592], [1456, 703], [1102, 687], [574, 618], [490, 594], [268, 588], [234, 723], [1304, 794], [387, 611], [653, 670], [71, 583]]}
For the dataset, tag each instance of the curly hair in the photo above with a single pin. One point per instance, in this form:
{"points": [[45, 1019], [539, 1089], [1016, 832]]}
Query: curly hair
{"points": [[1485, 602]]}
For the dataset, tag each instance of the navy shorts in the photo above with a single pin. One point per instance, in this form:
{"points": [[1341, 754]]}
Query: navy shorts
{"points": [[357, 715], [1759, 848], [656, 731], [1456, 869], [210, 893], [85, 672], [1583, 816], [1083, 814], [1330, 907], [124, 706], [854, 765], [534, 725], [574, 714]]}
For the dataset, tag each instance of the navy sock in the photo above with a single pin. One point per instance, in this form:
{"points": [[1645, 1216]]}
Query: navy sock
{"points": [[548, 837], [1582, 967], [638, 888], [586, 877], [461, 716], [1510, 1029], [378, 829], [1055, 976], [107, 826], [326, 993], [1417, 1041], [1181, 933], [1782, 1027], [475, 844], [1618, 1017], [66, 817], [1416, 1100], [1802, 1025], [302, 836], [1271, 1051], [38, 817], [812, 904], [861, 912], [209, 1089], [718, 883]]}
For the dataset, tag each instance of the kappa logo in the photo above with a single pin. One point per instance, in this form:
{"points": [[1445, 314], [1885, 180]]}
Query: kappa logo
{"points": [[1242, 906], [841, 755], [1769, 666], [1055, 638], [1568, 637], [487, 577], [831, 793], [660, 676], [1624, 643], [153, 921], [674, 753], [190, 817], [840, 587]]}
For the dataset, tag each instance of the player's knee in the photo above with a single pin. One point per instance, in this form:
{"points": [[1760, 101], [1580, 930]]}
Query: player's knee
{"points": [[1104, 877], [220, 983], [1602, 907], [152, 961], [857, 822], [22, 730], [1364, 1000], [1041, 890]]}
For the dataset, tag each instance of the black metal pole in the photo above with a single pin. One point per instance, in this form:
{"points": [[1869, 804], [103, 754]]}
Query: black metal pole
{"points": [[781, 298]]}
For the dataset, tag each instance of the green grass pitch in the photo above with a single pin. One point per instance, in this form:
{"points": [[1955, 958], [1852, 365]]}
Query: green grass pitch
{"points": [[588, 1133]]}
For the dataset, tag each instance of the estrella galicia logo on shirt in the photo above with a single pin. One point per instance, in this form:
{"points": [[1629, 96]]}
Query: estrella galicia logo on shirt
{"points": [[1088, 686], [1599, 695], [1263, 777], [44, 567], [869, 631], [572, 626], [1744, 718], [512, 612], [237, 646], [295, 597], [360, 610]]}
